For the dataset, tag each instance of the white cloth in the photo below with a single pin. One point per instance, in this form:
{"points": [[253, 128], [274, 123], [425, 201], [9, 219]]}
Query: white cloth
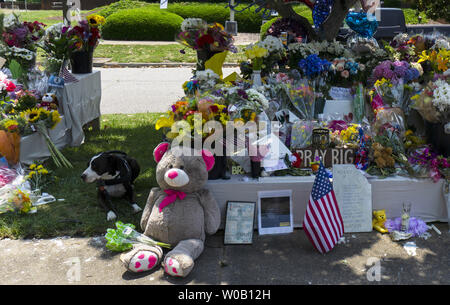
{"points": [[426, 196], [80, 104]]}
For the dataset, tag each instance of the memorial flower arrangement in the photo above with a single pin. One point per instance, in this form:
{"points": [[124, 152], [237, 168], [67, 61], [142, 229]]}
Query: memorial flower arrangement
{"points": [[256, 53], [58, 45], [22, 35], [15, 200], [86, 34], [38, 176], [433, 102], [206, 39], [344, 72]]}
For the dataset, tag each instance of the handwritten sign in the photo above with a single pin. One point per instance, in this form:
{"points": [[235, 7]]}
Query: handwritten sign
{"points": [[340, 93], [354, 196], [330, 156], [239, 222]]}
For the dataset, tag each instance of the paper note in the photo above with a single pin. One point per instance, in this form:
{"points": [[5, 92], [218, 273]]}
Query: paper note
{"points": [[354, 196]]}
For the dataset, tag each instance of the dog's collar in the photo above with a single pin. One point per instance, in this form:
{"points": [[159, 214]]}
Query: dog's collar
{"points": [[119, 179]]}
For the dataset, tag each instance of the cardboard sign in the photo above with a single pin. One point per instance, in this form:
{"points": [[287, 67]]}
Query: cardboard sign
{"points": [[239, 222], [330, 156], [354, 197]]}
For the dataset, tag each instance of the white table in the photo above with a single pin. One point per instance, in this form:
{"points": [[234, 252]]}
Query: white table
{"points": [[79, 105], [426, 197]]}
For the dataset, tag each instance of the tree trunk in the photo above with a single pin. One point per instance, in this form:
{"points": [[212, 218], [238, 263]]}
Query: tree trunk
{"points": [[330, 27]]}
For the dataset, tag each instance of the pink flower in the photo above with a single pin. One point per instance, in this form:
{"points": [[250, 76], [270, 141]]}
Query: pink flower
{"points": [[345, 74]]}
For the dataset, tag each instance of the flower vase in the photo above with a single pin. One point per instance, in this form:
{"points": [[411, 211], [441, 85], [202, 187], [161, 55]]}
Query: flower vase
{"points": [[256, 169], [82, 61], [219, 170], [256, 78], [202, 57]]}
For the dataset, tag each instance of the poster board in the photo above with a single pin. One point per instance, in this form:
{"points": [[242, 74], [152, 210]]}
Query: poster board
{"points": [[275, 213], [354, 197], [239, 222]]}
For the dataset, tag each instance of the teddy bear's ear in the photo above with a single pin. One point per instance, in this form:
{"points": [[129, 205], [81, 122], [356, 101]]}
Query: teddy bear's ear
{"points": [[208, 158], [160, 150]]}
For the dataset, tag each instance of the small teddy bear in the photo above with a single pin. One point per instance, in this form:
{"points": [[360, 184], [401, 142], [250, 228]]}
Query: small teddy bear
{"points": [[383, 156], [178, 212], [379, 218], [49, 102]]}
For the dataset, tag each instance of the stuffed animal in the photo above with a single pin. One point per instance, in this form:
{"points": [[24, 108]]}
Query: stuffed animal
{"points": [[379, 218], [49, 102], [179, 212], [383, 156]]}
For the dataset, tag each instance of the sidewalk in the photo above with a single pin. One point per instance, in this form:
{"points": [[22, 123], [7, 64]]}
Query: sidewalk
{"points": [[240, 39], [364, 258]]}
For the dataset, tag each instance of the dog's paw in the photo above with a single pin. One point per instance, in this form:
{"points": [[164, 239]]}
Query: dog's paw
{"points": [[111, 216], [136, 208]]}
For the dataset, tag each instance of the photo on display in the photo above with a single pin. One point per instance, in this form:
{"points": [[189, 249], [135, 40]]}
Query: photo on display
{"points": [[275, 212]]}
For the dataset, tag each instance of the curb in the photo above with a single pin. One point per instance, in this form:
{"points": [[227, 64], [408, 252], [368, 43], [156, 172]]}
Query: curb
{"points": [[153, 65]]}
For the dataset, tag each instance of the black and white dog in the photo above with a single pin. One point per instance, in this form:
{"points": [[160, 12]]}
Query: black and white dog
{"points": [[114, 173]]}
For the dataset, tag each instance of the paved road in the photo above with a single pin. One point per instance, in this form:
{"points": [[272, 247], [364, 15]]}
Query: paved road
{"points": [[286, 259], [136, 90]]}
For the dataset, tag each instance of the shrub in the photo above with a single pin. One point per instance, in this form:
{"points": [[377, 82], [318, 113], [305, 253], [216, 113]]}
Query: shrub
{"points": [[142, 24], [248, 20], [266, 26], [114, 7]]}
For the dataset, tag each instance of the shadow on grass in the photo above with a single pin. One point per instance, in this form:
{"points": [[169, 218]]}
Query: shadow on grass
{"points": [[77, 213]]}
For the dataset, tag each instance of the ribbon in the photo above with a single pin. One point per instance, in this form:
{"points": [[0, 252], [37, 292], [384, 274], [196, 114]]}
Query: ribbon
{"points": [[170, 198]]}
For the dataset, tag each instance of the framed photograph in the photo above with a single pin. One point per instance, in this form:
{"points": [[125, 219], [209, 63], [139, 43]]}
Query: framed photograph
{"points": [[239, 222], [275, 214]]}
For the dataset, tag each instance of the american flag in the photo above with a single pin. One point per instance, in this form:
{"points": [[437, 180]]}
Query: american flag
{"points": [[322, 222], [67, 76]]}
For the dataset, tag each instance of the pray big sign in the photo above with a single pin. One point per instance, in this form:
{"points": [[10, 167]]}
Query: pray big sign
{"points": [[330, 156]]}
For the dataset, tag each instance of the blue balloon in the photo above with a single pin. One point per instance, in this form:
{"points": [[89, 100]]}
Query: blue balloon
{"points": [[362, 23]]}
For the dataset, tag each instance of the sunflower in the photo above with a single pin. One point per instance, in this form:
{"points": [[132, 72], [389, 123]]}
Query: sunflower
{"points": [[96, 20], [31, 115], [56, 118]]}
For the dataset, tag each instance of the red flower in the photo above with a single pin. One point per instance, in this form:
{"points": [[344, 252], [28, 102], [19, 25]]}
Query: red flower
{"points": [[10, 87], [205, 39], [298, 162], [214, 108]]}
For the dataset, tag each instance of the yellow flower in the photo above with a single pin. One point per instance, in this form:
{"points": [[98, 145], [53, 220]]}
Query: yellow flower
{"points": [[96, 20], [31, 115], [11, 125], [33, 166], [39, 167], [164, 121], [43, 171], [259, 51], [56, 118]]}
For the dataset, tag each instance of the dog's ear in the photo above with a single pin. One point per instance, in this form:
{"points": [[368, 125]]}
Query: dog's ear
{"points": [[160, 150]]}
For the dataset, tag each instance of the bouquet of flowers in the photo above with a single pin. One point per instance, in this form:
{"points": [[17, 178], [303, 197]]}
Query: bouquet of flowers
{"points": [[86, 34], [344, 71], [123, 238], [14, 199], [206, 39], [22, 35], [394, 71], [433, 103], [314, 67], [58, 45], [437, 166], [302, 97], [38, 176], [18, 44], [256, 53]]}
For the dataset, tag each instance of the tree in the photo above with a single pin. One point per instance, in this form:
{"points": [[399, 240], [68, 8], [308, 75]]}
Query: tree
{"points": [[330, 28], [435, 9]]}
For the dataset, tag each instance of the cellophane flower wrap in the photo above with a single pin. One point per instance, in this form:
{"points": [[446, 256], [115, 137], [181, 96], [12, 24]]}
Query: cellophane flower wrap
{"points": [[433, 103], [123, 238]]}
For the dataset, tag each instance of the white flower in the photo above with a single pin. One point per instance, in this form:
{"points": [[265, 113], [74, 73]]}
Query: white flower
{"points": [[272, 44], [255, 96], [441, 95], [192, 24], [441, 43]]}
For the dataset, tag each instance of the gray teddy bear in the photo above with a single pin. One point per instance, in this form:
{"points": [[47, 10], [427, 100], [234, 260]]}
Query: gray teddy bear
{"points": [[179, 212]]}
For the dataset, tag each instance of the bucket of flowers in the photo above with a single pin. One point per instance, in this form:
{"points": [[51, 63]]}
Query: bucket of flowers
{"points": [[86, 35]]}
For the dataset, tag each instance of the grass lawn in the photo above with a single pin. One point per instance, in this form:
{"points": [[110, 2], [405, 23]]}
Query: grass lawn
{"points": [[155, 53], [79, 214], [48, 17]]}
